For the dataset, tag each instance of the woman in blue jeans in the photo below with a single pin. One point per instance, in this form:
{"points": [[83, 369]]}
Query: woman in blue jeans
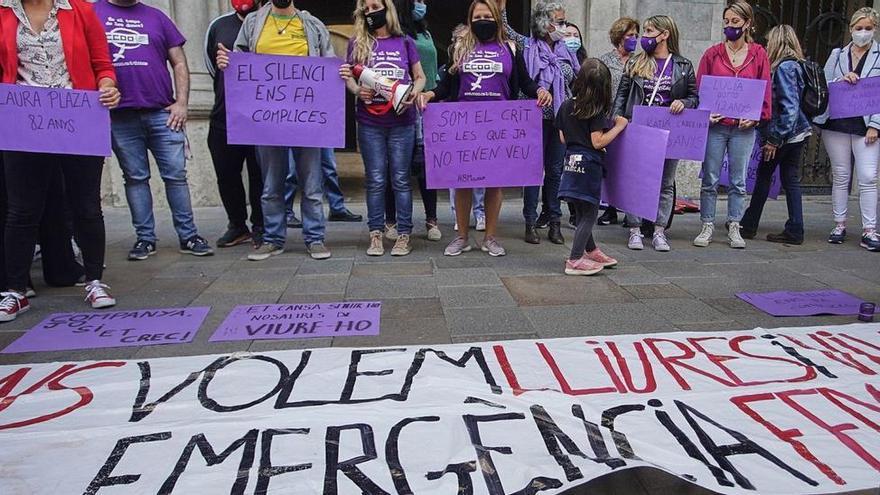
{"points": [[386, 138], [785, 138], [736, 57]]}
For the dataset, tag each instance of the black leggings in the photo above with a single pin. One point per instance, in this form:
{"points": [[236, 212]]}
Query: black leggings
{"points": [[586, 214], [28, 181]]}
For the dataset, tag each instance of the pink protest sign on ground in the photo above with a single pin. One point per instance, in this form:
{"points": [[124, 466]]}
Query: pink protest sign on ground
{"points": [[275, 100], [688, 131], [755, 162], [733, 97], [140, 327], [300, 321], [484, 144], [854, 100], [809, 303], [52, 120], [634, 165]]}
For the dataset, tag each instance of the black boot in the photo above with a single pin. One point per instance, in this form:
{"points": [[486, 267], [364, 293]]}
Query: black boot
{"points": [[532, 236], [555, 233]]}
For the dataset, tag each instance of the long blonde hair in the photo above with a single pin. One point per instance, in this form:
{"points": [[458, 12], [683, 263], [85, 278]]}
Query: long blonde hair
{"points": [[782, 43], [644, 65], [468, 41], [743, 10], [364, 40]]}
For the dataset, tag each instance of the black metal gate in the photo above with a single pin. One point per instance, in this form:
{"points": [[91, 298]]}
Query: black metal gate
{"points": [[822, 25]]}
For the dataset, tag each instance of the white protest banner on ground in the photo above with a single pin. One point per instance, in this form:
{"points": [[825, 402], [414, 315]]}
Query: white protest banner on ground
{"points": [[787, 411]]}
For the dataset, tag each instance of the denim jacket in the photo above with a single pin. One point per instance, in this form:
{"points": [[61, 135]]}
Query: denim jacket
{"points": [[788, 120]]}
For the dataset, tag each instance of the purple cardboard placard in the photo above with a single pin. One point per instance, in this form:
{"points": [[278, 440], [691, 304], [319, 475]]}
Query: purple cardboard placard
{"points": [[688, 131], [277, 100], [634, 165], [300, 321], [755, 161], [53, 120], [854, 100], [733, 97], [484, 144], [137, 327], [808, 303]]}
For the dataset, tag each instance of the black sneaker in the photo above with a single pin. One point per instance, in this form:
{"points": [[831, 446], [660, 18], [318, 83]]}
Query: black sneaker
{"points": [[293, 222], [543, 221], [838, 235], [871, 241], [609, 217], [783, 238], [196, 246], [142, 250], [234, 236], [345, 216]]}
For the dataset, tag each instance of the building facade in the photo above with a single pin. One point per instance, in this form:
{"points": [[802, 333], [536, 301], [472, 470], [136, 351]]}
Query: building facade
{"points": [[821, 23]]}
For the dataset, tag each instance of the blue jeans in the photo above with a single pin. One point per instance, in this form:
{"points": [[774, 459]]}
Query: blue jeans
{"points": [[275, 166], [554, 156], [738, 144], [331, 183], [479, 201], [788, 159], [388, 151], [134, 133]]}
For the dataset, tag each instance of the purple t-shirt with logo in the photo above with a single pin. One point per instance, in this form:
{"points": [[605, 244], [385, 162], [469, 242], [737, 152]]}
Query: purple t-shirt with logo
{"points": [[393, 58], [664, 92], [140, 37], [485, 75]]}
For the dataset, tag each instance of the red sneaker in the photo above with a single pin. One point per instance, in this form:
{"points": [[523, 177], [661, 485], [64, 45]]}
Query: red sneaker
{"points": [[599, 257], [98, 295], [12, 305], [582, 266]]}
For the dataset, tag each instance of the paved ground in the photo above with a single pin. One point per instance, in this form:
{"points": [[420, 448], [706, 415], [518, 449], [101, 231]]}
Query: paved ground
{"points": [[430, 299]]}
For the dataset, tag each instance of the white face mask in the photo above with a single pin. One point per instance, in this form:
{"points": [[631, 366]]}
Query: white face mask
{"points": [[557, 35], [863, 38]]}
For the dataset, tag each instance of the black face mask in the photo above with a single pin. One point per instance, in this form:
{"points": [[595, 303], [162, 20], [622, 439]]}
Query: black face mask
{"points": [[376, 20], [282, 4], [484, 29]]}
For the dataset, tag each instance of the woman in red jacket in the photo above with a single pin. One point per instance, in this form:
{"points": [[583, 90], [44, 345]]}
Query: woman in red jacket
{"points": [[738, 56], [55, 44]]}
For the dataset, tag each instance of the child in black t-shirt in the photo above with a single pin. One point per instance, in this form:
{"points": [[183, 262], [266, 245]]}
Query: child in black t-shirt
{"points": [[584, 128]]}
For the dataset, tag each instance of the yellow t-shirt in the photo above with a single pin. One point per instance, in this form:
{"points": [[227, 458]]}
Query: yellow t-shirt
{"points": [[283, 35]]}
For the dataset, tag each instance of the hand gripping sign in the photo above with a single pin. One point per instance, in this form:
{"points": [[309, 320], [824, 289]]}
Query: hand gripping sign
{"points": [[394, 92]]}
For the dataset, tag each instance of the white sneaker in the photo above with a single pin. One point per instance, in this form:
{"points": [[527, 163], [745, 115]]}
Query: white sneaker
{"points": [[705, 237], [481, 224], [265, 252], [734, 236], [391, 232], [376, 248], [98, 295], [660, 243], [434, 233], [635, 240]]}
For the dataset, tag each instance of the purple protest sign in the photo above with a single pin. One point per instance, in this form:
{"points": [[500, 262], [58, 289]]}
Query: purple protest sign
{"points": [[141, 327], [51, 120], [484, 144], [854, 100], [276, 100], [755, 161], [634, 164], [300, 321], [809, 303], [733, 97], [688, 131]]}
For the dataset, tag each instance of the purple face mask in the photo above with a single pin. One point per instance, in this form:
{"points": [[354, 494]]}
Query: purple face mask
{"points": [[649, 44], [733, 33], [630, 43]]}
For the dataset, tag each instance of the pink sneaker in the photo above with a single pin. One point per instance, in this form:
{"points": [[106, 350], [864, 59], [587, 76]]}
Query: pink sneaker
{"points": [[599, 257], [582, 266]]}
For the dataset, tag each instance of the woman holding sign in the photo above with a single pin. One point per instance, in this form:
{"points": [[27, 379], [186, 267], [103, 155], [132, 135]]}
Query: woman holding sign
{"points": [[659, 76], [854, 136], [485, 39], [36, 38], [737, 57], [386, 131], [785, 138]]}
